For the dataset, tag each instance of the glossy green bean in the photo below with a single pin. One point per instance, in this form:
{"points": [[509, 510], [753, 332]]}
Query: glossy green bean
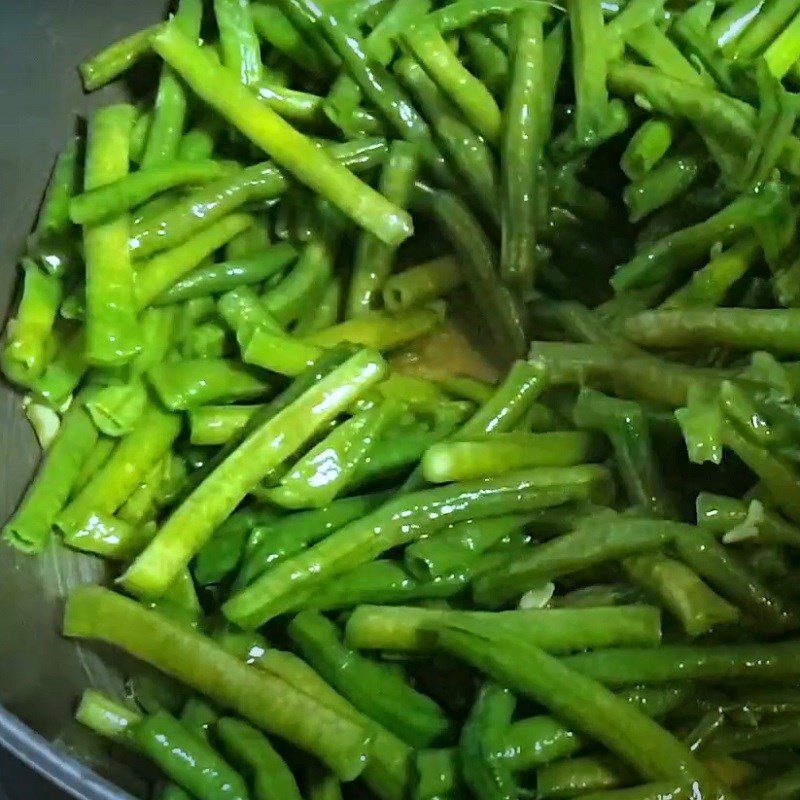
{"points": [[720, 515], [112, 334], [116, 59], [422, 283], [265, 700], [192, 523], [214, 425], [239, 45], [289, 148], [273, 26]]}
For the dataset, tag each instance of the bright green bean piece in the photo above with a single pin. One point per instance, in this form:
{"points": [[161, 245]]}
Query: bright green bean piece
{"points": [[117, 197], [112, 333], [288, 147], [160, 273], [193, 522], [107, 717], [109, 537], [241, 50], [182, 385], [578, 776], [25, 352], [124, 470], [116, 59], [463, 88], [63, 186], [214, 425], [647, 147], [29, 528], [662, 185], [503, 452]]}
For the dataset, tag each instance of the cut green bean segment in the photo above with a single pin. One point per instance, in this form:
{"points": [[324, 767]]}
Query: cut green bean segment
{"points": [[401, 521], [554, 630], [264, 700], [112, 333], [375, 689], [467, 460], [116, 59], [190, 526], [29, 528], [374, 258], [241, 50], [289, 148], [214, 425]]}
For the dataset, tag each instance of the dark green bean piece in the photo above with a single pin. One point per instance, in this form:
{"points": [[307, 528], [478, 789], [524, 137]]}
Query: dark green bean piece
{"points": [[272, 778], [199, 718], [579, 776], [623, 666], [662, 185], [766, 25], [467, 13], [273, 26], [522, 147], [488, 60], [478, 260], [215, 279], [488, 777], [64, 184], [720, 515], [373, 688], [783, 787], [374, 259]]}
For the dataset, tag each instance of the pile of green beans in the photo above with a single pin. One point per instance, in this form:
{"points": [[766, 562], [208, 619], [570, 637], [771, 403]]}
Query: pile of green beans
{"points": [[428, 373]]}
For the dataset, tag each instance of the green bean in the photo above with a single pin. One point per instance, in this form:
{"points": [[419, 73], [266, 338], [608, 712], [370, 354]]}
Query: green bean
{"points": [[647, 147], [731, 23], [109, 537], [25, 353], [276, 540], [206, 341], [192, 523], [64, 182], [272, 778], [623, 666], [579, 700], [264, 700], [160, 273], [458, 546], [97, 456], [596, 540], [467, 13], [720, 515], [477, 258], [214, 425], [29, 528], [765, 26], [463, 88], [326, 312], [380, 582], [323, 473], [467, 150], [709, 285], [487, 777], [139, 133], [374, 689], [124, 470], [467, 460], [182, 385], [169, 114], [116, 409], [373, 258], [241, 50], [633, 16], [211, 204], [324, 787], [488, 60], [400, 522], [112, 334], [188, 760], [784, 51], [723, 570], [681, 591], [197, 144], [627, 427], [560, 630], [735, 327], [591, 96], [676, 253], [107, 717], [662, 185], [116, 59], [532, 742], [522, 148], [783, 787], [579, 776], [289, 148], [119, 196], [272, 25]]}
